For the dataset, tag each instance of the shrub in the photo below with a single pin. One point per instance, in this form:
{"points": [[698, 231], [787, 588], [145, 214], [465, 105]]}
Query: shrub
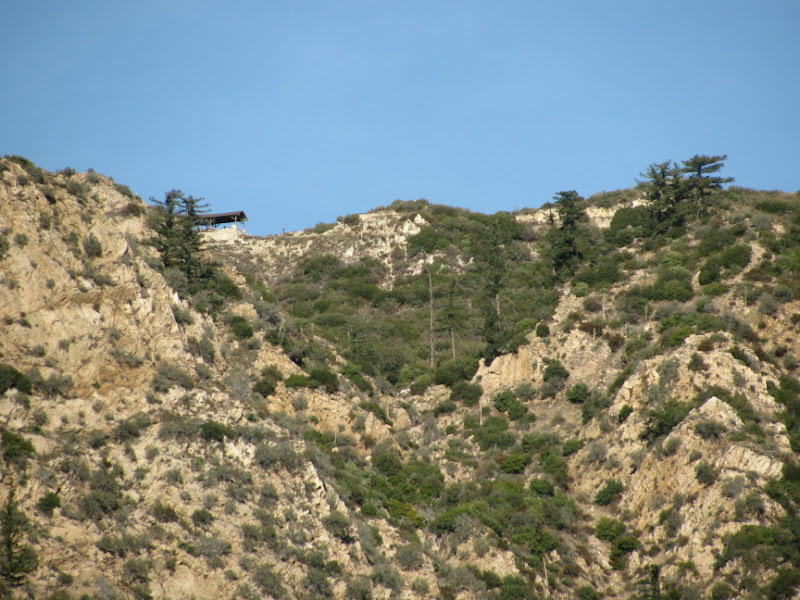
{"points": [[10, 378], [608, 529], [92, 246], [181, 315], [359, 588], [515, 463], [555, 371], [212, 431], [16, 449], [541, 486], [661, 421], [494, 434], [513, 588], [387, 463], [571, 446], [517, 410], [705, 473], [696, 363], [708, 429], [49, 502], [578, 393], [265, 387], [671, 446], [609, 492], [451, 371], [240, 327], [542, 330], [587, 592], [503, 400], [339, 526], [507, 402], [164, 513], [296, 380], [169, 376], [624, 413], [269, 581], [130, 429], [443, 408], [409, 557]]}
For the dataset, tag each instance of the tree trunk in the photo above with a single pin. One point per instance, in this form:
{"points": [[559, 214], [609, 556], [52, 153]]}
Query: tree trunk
{"points": [[430, 321]]}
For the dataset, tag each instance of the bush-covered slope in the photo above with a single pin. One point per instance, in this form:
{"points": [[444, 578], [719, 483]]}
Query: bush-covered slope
{"points": [[598, 398]]}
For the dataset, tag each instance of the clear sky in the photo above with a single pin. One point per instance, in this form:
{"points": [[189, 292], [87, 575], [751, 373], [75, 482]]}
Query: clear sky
{"points": [[301, 111]]}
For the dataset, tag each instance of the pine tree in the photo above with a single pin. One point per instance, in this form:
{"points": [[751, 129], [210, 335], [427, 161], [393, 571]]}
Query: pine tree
{"points": [[567, 241], [177, 239], [664, 186], [17, 559], [700, 180]]}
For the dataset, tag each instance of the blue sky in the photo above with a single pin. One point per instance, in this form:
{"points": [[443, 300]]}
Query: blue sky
{"points": [[299, 112]]}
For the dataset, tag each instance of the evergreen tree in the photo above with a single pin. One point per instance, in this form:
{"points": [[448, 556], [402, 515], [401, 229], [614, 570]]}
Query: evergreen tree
{"points": [[17, 559], [177, 239], [665, 189], [700, 181], [567, 242]]}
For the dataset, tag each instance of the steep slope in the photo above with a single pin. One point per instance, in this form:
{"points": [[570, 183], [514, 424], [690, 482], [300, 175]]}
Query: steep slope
{"points": [[413, 403]]}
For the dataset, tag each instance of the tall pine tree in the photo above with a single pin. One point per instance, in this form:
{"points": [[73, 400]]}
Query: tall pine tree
{"points": [[700, 179], [17, 558], [177, 238]]}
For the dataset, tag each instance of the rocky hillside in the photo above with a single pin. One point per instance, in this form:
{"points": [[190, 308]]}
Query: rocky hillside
{"points": [[596, 399]]}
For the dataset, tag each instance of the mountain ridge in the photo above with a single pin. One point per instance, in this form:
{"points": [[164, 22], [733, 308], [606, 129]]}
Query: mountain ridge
{"points": [[618, 440]]}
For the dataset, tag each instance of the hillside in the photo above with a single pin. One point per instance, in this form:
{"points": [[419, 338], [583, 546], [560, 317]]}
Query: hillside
{"points": [[594, 399]]}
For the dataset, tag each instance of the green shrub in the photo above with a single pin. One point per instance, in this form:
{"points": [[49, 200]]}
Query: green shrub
{"points": [[542, 330], [517, 410], [571, 446], [513, 588], [587, 592], [164, 513], [409, 557], [620, 548], [624, 413], [609, 492], [504, 400], [554, 371], [507, 402], [326, 378], [705, 473], [212, 431], [443, 408], [10, 378], [16, 448], [555, 465], [269, 582], [608, 529], [661, 421], [181, 315], [49, 502], [387, 463], [296, 380], [494, 434], [339, 525], [129, 429], [92, 246], [708, 429], [168, 376], [515, 463], [451, 371], [578, 393], [541, 486], [240, 327]]}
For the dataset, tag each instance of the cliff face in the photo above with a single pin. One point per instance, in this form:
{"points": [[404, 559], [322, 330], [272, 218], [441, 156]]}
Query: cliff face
{"points": [[191, 459]]}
